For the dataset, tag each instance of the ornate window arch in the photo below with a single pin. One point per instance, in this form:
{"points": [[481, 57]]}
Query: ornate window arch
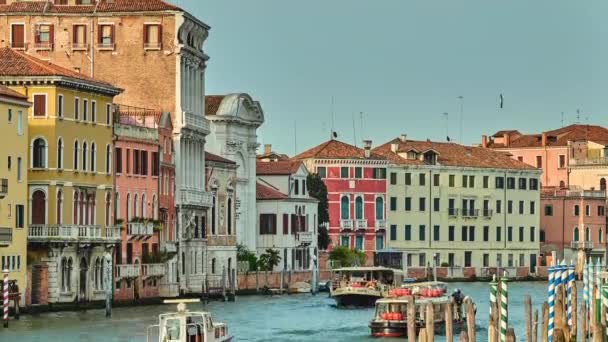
{"points": [[93, 157], [379, 208], [344, 207], [60, 153], [39, 152]]}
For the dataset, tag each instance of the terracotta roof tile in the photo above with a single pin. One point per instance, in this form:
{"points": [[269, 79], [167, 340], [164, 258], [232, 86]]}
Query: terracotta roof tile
{"points": [[264, 192], [212, 103], [16, 63], [283, 167], [335, 149], [218, 159], [104, 6], [557, 137], [451, 154], [8, 92]]}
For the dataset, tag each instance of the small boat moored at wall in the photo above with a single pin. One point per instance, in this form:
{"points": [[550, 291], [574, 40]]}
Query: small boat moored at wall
{"points": [[362, 286]]}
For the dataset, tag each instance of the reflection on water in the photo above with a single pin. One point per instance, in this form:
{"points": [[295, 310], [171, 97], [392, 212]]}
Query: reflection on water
{"points": [[253, 318]]}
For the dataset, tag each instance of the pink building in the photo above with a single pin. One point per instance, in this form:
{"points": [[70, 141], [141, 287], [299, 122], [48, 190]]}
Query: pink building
{"points": [[356, 190], [137, 167], [552, 151], [573, 220]]}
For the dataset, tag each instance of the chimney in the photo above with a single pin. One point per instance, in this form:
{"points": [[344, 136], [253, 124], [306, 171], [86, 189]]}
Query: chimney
{"points": [[403, 137], [544, 139], [506, 139], [267, 148], [367, 146], [394, 147], [484, 141]]}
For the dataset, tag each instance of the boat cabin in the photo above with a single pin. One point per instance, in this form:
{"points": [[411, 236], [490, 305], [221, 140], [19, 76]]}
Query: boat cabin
{"points": [[376, 277]]}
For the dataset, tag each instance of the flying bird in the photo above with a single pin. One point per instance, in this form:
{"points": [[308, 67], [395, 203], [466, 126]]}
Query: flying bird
{"points": [[502, 100]]}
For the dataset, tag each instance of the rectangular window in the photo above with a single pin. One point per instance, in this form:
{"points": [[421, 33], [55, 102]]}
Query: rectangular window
{"points": [[408, 203], [296, 187], [93, 111], [422, 204], [19, 170], [44, 37], [79, 37], [60, 106], [532, 207], [105, 36], [76, 109], [393, 232], [471, 181], [521, 207], [421, 232], [539, 162], [523, 182], [408, 179], [344, 241], [379, 173], [510, 260], [452, 181], [587, 210], [10, 115], [521, 234], [464, 234], [152, 36], [562, 161], [144, 163], [511, 183], [436, 233], [285, 224], [600, 210], [436, 180], [498, 206], [465, 178], [486, 260], [108, 114], [17, 36], [268, 224], [471, 233], [576, 210], [136, 166], [522, 260], [118, 159], [408, 232], [451, 230], [85, 109], [533, 184], [322, 171], [344, 172], [486, 182], [422, 260], [509, 234], [498, 234], [19, 216], [155, 164], [509, 207], [40, 105], [422, 179], [128, 161], [19, 122], [452, 211], [393, 203], [548, 210], [358, 172], [486, 233], [435, 204], [393, 178], [500, 182], [532, 234]]}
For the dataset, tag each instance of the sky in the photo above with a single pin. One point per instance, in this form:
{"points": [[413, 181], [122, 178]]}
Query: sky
{"points": [[404, 63]]}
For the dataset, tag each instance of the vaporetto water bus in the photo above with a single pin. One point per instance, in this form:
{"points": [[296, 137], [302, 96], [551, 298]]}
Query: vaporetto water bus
{"points": [[362, 286]]}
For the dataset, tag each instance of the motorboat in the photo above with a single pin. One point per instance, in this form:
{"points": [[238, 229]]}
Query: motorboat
{"points": [[187, 326], [299, 287], [362, 286]]}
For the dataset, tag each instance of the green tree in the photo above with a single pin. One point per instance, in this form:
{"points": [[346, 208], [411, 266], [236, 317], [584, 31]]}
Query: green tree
{"points": [[268, 261], [345, 257], [243, 254], [317, 189]]}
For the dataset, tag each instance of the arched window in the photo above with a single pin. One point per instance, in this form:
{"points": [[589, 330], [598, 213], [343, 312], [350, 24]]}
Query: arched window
{"points": [[38, 207], [603, 184], [359, 208], [128, 207], [59, 212], [183, 263], [84, 156], [75, 208], [135, 206], [344, 208], [213, 266], [108, 159], [154, 208], [76, 153], [587, 234], [229, 224], [81, 213], [379, 208], [576, 234], [143, 205], [96, 273], [39, 153], [92, 204], [60, 153], [108, 208], [69, 274], [101, 284], [93, 153], [562, 184], [64, 274]]}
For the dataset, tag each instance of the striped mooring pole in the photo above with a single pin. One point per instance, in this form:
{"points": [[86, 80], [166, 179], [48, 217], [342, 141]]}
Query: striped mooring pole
{"points": [[605, 304], [585, 285], [598, 280], [504, 309], [5, 271], [569, 292], [551, 301], [493, 290]]}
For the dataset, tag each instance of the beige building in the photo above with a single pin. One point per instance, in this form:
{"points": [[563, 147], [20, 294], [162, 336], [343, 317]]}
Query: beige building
{"points": [[589, 165], [466, 206]]}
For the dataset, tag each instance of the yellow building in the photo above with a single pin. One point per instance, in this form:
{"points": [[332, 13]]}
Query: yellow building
{"points": [[70, 221], [13, 185]]}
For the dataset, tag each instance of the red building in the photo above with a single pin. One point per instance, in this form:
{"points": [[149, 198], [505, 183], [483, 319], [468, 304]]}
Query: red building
{"points": [[356, 190]]}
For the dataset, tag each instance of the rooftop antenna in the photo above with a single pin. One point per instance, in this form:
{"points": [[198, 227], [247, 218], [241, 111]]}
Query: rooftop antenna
{"points": [[578, 116], [332, 118], [461, 98], [361, 123], [447, 126], [354, 131], [562, 119]]}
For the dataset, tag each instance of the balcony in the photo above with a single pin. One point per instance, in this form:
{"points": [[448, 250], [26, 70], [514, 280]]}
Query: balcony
{"points": [[452, 212], [152, 270], [43, 46], [304, 238], [487, 213], [6, 236], [113, 232], [380, 224], [470, 213], [361, 224], [346, 224], [140, 228], [168, 246], [3, 187], [127, 271], [71, 233], [584, 161], [197, 121], [137, 116], [196, 198], [581, 244]]}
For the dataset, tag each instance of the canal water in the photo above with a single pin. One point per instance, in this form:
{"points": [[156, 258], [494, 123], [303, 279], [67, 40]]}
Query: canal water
{"points": [[255, 318]]}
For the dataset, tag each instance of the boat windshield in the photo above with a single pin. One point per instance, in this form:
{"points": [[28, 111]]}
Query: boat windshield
{"points": [[172, 329]]}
